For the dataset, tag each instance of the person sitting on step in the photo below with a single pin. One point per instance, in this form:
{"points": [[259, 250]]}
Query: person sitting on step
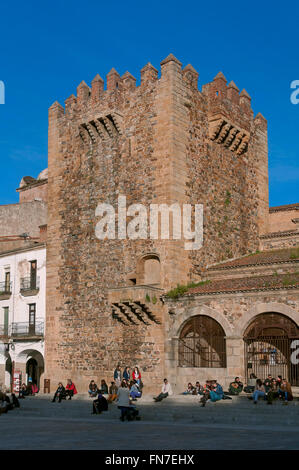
{"points": [[60, 393], [285, 391], [250, 387], [273, 392], [134, 390], [112, 392], [70, 389], [165, 391], [189, 390], [259, 391], [92, 389], [99, 405], [235, 387], [23, 391], [104, 387], [198, 389], [268, 383]]}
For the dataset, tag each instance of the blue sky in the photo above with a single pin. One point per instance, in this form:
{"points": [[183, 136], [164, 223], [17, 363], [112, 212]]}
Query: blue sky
{"points": [[48, 48]]}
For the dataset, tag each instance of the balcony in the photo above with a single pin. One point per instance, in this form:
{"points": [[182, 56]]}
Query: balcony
{"points": [[136, 305], [25, 330], [5, 290], [4, 331], [29, 286]]}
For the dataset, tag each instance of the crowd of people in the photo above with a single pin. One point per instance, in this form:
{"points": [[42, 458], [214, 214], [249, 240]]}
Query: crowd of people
{"points": [[269, 389], [124, 389], [7, 403]]}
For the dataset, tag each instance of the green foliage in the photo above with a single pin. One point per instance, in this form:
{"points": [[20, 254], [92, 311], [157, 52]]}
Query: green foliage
{"points": [[228, 198], [287, 281], [154, 300], [180, 289], [295, 253], [147, 298]]}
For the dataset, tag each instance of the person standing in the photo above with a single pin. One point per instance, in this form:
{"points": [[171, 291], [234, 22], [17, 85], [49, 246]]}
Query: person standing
{"points": [[126, 374], [136, 375], [117, 375], [123, 399]]}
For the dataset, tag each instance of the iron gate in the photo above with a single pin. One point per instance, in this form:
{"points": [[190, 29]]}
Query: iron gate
{"points": [[268, 347], [202, 343]]}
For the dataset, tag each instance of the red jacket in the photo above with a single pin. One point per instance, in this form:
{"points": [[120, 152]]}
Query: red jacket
{"points": [[71, 387], [136, 376]]}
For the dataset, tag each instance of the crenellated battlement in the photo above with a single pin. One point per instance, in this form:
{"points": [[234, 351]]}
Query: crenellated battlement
{"points": [[99, 111]]}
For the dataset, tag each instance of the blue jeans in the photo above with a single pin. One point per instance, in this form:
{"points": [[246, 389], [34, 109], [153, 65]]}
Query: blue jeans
{"points": [[215, 396], [282, 393], [135, 394], [257, 394]]}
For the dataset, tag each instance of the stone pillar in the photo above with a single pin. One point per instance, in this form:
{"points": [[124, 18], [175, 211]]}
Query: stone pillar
{"points": [[171, 359], [235, 359], [2, 374]]}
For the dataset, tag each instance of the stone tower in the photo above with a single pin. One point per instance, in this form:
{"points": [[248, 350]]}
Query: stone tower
{"points": [[163, 141]]}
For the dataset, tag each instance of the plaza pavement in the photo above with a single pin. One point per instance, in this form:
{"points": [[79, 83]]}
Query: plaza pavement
{"points": [[178, 422]]}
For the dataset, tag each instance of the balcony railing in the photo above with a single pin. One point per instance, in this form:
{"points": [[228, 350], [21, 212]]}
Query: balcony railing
{"points": [[5, 288], [4, 330], [24, 329], [29, 284]]}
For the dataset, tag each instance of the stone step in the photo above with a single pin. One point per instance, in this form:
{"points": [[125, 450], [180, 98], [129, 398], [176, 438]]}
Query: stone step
{"points": [[237, 411]]}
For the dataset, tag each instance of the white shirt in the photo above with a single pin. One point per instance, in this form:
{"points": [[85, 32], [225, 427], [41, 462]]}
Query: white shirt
{"points": [[166, 388]]}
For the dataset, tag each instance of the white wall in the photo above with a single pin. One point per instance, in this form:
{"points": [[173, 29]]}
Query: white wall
{"points": [[18, 304]]}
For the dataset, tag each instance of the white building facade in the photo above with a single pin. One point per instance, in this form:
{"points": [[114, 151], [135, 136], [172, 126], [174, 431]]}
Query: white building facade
{"points": [[22, 314]]}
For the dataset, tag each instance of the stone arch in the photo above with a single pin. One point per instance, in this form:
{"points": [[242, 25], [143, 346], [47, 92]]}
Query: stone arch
{"points": [[268, 338], [202, 310], [260, 308], [148, 269], [202, 343], [34, 358]]}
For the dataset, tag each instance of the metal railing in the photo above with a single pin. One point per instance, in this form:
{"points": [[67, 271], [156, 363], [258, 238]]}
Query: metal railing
{"points": [[5, 287], [28, 283], [27, 329], [4, 330]]}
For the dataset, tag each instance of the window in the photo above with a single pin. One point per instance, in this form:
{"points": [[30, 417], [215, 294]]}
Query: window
{"points": [[33, 270], [202, 343], [32, 312], [7, 281], [148, 270]]}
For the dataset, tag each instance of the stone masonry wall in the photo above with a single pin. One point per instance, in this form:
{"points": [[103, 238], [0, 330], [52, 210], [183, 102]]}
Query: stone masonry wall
{"points": [[152, 143]]}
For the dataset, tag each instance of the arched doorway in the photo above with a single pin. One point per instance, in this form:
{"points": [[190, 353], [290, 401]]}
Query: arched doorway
{"points": [[268, 350], [32, 371], [33, 366], [202, 343]]}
